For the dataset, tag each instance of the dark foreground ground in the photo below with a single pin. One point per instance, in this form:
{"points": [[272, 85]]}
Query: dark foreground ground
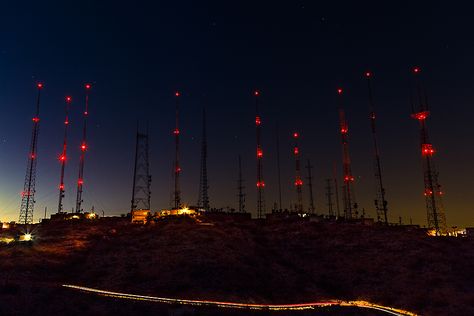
{"points": [[278, 263]]}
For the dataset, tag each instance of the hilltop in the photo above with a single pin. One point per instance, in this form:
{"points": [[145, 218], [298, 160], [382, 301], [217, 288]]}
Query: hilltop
{"points": [[245, 261]]}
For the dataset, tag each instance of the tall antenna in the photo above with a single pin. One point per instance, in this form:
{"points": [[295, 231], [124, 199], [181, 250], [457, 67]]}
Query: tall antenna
{"points": [[177, 168], [203, 200], [141, 191], [28, 193], [278, 165], [350, 204], [329, 195], [336, 188], [433, 194], [80, 179], [380, 201], [240, 187], [260, 182], [310, 187], [62, 157], [298, 181]]}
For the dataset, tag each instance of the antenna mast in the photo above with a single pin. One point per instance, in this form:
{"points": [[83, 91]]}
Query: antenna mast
{"points": [[380, 201], [203, 200], [62, 157], [80, 180], [350, 205], [433, 194], [177, 168], [260, 182], [241, 188], [298, 181], [141, 191], [28, 193], [310, 187]]}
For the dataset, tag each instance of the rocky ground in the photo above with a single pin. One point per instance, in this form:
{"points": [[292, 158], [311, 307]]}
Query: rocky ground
{"points": [[244, 261]]}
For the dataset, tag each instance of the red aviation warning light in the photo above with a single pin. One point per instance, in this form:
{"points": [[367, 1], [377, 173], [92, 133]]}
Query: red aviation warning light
{"points": [[80, 182], [416, 70], [62, 158], [36, 119], [177, 94], [260, 184], [420, 115], [61, 186], [256, 93], [427, 150], [259, 153], [258, 121], [348, 178], [39, 85], [339, 91], [368, 74], [298, 182], [176, 131], [296, 135], [296, 151], [83, 146], [68, 99], [87, 86]]}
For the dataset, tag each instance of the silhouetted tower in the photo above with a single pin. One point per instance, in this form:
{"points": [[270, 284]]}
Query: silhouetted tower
{"points": [[240, 187], [329, 195], [141, 192], [260, 182], [350, 205], [80, 179], [298, 180], [336, 188], [177, 168], [28, 193], [63, 156], [278, 165], [203, 200], [380, 201], [310, 187], [433, 194]]}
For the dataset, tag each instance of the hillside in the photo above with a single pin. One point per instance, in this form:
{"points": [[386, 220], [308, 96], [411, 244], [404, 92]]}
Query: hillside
{"points": [[250, 261]]}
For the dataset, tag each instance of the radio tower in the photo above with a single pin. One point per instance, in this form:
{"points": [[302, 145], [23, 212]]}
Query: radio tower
{"points": [[298, 181], [28, 194], [241, 188], [380, 202], [177, 168], [336, 188], [203, 200], [350, 204], [278, 165], [433, 193], [260, 182], [80, 179], [62, 157], [310, 187], [329, 195], [141, 192]]}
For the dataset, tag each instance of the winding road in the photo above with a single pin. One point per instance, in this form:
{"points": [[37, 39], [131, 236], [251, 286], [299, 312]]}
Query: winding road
{"points": [[236, 305]]}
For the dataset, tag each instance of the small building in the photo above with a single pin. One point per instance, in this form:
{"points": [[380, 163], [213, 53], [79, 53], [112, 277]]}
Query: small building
{"points": [[140, 216]]}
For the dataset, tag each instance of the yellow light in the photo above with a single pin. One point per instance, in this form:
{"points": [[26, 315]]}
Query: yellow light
{"points": [[6, 240], [26, 237]]}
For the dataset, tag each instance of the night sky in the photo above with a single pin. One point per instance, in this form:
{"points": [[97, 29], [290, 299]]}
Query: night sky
{"points": [[297, 53]]}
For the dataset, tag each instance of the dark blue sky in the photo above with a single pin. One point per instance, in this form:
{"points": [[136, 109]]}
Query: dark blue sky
{"points": [[216, 53]]}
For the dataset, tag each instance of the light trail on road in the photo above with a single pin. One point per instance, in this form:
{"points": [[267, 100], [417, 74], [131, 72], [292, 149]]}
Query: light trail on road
{"points": [[236, 305]]}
